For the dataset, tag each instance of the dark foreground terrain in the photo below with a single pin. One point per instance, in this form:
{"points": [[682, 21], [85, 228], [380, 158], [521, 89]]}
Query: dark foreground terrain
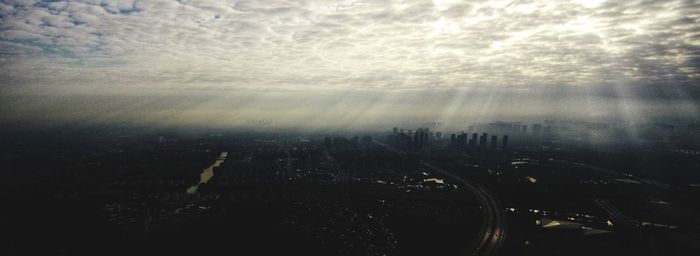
{"points": [[121, 190]]}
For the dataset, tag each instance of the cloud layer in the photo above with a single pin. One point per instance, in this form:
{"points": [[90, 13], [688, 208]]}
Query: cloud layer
{"points": [[346, 44]]}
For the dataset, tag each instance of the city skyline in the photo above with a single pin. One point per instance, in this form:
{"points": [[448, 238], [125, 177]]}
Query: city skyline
{"points": [[350, 127]]}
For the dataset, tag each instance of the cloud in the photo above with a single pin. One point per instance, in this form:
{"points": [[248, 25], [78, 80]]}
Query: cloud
{"points": [[225, 61], [348, 44]]}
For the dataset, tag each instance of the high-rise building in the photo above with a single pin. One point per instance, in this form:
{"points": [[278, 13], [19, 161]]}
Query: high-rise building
{"points": [[505, 142], [483, 139], [494, 142], [416, 137], [474, 138], [537, 129], [396, 130]]}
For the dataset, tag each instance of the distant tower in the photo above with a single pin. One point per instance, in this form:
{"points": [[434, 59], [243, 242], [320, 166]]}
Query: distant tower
{"points": [[474, 138], [505, 142], [422, 137], [537, 129], [416, 137], [396, 130], [494, 142], [483, 139]]}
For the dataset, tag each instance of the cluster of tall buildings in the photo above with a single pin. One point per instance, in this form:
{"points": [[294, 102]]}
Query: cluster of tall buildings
{"points": [[340, 141], [414, 139], [259, 123], [499, 127], [422, 137], [476, 141], [514, 128]]}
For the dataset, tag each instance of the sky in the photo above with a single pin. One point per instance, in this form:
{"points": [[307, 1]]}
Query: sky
{"points": [[345, 62]]}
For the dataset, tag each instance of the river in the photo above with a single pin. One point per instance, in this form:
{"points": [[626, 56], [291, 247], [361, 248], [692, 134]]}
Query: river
{"points": [[208, 173]]}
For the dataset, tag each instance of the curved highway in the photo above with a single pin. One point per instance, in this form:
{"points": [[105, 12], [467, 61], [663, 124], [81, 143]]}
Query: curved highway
{"points": [[493, 227]]}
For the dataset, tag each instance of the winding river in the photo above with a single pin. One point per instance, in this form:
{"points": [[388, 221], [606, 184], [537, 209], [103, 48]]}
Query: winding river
{"points": [[208, 173]]}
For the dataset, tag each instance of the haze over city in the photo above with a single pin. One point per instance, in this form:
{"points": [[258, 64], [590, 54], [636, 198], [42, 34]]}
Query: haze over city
{"points": [[350, 127]]}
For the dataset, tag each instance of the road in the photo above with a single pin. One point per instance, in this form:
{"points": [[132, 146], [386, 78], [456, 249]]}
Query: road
{"points": [[618, 218], [493, 227]]}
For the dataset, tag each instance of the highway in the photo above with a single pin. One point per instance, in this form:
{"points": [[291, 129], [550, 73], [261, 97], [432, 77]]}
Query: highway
{"points": [[493, 227], [618, 218]]}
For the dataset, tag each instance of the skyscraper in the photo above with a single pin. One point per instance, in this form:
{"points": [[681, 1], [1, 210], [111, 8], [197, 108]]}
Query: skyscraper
{"points": [[537, 129], [505, 142], [494, 142], [416, 137], [483, 139]]}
